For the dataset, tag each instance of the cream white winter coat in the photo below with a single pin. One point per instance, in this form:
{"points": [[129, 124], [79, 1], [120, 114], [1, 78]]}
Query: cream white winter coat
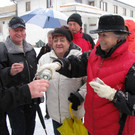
{"points": [[60, 89]]}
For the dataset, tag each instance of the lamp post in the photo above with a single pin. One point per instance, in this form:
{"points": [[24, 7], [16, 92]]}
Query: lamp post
{"points": [[14, 1]]}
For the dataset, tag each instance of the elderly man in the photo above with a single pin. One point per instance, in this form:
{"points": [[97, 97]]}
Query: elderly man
{"points": [[18, 67]]}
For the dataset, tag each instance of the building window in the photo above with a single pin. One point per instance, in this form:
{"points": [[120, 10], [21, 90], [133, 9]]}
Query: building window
{"points": [[91, 3], [124, 11], [115, 9], [28, 6], [103, 6], [79, 1], [49, 3], [131, 13]]}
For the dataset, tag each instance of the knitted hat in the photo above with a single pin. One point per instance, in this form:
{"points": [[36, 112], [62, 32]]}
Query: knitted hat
{"points": [[16, 22], [75, 18], [64, 32], [108, 23]]}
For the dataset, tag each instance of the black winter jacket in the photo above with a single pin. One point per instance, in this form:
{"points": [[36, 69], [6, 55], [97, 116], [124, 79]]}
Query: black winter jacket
{"points": [[43, 50], [19, 95], [9, 54], [9, 99]]}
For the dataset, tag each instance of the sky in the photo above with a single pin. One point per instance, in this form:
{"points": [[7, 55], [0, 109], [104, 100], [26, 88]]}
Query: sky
{"points": [[5, 3], [8, 2]]}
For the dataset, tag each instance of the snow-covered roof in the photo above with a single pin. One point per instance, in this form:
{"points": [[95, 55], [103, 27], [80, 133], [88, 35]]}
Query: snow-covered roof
{"points": [[83, 9]]}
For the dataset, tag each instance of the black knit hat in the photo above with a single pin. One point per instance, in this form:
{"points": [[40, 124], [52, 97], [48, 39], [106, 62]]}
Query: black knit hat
{"points": [[108, 23], [75, 18], [64, 32], [16, 22]]}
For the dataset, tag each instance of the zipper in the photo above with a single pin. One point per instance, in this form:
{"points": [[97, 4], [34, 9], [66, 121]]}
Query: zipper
{"points": [[28, 70], [29, 78], [93, 98], [59, 99], [100, 66]]}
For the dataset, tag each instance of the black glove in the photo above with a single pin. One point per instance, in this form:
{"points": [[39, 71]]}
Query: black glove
{"points": [[76, 100]]}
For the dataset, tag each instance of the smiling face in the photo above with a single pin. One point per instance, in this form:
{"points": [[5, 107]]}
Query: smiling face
{"points": [[17, 35], [60, 45], [107, 40]]}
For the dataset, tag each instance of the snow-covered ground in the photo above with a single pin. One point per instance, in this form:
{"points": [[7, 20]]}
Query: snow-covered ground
{"points": [[39, 129]]}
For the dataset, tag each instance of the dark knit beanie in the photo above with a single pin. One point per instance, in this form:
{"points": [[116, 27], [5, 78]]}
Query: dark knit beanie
{"points": [[75, 18], [64, 32]]}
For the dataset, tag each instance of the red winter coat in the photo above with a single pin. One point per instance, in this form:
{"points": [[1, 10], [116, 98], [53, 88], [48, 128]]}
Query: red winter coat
{"points": [[83, 40], [101, 116], [131, 38]]}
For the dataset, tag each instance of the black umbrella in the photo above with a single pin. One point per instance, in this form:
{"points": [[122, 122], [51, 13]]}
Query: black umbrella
{"points": [[47, 75], [41, 117]]}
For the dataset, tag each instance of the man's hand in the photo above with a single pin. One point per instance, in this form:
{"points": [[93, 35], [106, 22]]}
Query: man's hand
{"points": [[102, 89], [51, 66], [16, 68], [37, 87]]}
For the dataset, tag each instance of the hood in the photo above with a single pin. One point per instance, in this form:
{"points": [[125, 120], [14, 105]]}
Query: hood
{"points": [[131, 27]]}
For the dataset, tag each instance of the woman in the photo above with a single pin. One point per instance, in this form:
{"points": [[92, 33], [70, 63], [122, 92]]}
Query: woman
{"points": [[63, 90], [110, 100]]}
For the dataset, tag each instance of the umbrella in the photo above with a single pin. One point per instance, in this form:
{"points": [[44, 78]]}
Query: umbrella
{"points": [[45, 18], [72, 126], [41, 117]]}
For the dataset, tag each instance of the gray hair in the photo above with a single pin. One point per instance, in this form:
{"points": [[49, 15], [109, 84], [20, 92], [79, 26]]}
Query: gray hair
{"points": [[50, 32], [120, 35]]}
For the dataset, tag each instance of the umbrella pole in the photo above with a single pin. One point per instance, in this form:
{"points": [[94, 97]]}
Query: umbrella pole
{"points": [[45, 132]]}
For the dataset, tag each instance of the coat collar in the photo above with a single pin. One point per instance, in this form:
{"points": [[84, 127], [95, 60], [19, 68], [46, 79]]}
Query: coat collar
{"points": [[73, 47], [12, 48], [114, 51], [78, 34]]}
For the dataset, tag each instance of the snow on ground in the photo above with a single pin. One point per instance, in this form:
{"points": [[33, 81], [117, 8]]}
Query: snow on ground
{"points": [[40, 131]]}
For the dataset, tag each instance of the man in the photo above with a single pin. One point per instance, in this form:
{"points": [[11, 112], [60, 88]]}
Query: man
{"points": [[46, 48], [18, 67], [16, 96], [81, 39]]}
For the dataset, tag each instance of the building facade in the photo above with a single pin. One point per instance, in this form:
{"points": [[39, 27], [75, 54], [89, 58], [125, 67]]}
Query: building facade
{"points": [[90, 10], [6, 13]]}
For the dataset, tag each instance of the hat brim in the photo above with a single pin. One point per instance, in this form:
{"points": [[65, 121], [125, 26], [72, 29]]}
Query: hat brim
{"points": [[109, 30], [17, 25]]}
